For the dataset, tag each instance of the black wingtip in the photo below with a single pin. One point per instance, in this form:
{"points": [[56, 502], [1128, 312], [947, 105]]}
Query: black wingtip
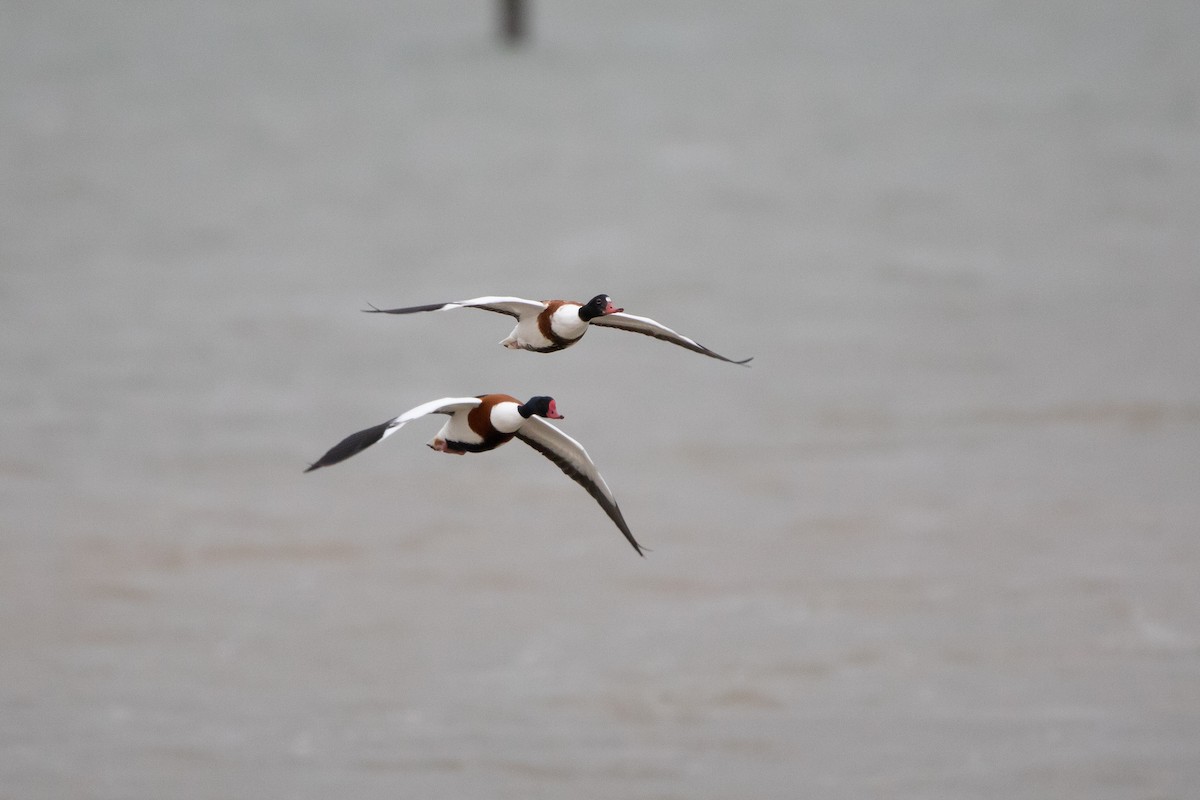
{"points": [[744, 362], [352, 444], [641, 551], [374, 309]]}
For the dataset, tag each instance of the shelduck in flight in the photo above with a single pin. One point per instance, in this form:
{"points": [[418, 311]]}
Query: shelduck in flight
{"points": [[552, 325], [479, 424]]}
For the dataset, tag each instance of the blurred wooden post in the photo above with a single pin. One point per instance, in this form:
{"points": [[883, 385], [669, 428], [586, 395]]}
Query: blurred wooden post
{"points": [[513, 19]]}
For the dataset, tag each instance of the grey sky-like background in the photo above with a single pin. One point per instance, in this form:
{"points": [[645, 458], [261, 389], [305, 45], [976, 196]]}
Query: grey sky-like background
{"points": [[939, 541]]}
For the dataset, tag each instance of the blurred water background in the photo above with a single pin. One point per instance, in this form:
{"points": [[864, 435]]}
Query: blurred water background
{"points": [[940, 540]]}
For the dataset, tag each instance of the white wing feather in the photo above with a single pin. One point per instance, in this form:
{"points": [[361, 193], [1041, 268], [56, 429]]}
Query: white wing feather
{"points": [[512, 306], [574, 461], [360, 440], [649, 327], [447, 405]]}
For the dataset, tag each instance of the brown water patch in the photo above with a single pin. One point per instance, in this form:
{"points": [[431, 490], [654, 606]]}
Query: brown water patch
{"points": [[1138, 416], [539, 771], [808, 670], [100, 555], [677, 585], [419, 764], [745, 698], [284, 551], [121, 592]]}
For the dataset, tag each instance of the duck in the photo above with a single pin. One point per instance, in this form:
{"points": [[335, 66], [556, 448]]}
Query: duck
{"points": [[484, 422], [547, 326]]}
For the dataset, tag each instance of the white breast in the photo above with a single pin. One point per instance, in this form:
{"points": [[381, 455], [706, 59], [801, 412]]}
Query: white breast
{"points": [[506, 418], [566, 322]]}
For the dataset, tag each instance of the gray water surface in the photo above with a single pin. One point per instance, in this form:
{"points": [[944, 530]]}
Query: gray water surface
{"points": [[940, 540]]}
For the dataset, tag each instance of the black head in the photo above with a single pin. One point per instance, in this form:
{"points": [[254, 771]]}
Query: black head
{"points": [[540, 406], [598, 306]]}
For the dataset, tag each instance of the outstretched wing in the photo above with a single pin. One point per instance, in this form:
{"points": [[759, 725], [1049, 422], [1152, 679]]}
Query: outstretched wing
{"points": [[573, 460], [357, 442], [512, 306], [647, 326]]}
